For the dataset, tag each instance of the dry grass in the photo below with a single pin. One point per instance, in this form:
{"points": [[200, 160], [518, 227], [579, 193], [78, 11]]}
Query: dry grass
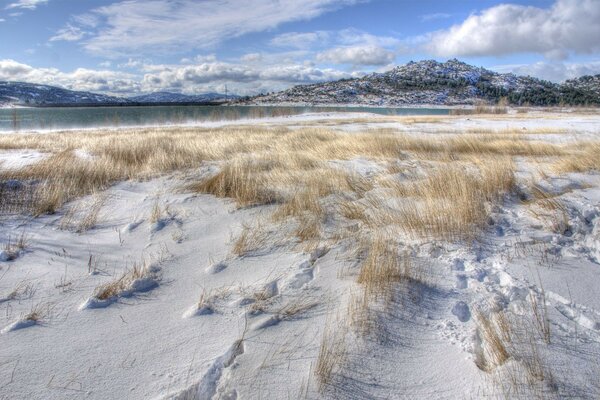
{"points": [[549, 209], [38, 312], [384, 266], [482, 107], [583, 159], [493, 333], [81, 217], [237, 181], [207, 302], [452, 202], [124, 283], [294, 308], [21, 291], [12, 249], [250, 240], [265, 165], [512, 350], [332, 355]]}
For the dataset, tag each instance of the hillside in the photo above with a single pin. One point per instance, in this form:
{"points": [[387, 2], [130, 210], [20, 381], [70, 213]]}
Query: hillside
{"points": [[168, 97], [431, 82], [33, 94], [416, 83]]}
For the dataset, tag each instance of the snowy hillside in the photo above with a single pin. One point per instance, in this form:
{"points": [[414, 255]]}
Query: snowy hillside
{"points": [[168, 97], [33, 94], [431, 82]]}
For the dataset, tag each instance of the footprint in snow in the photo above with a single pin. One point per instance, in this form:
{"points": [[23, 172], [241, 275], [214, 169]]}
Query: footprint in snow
{"points": [[216, 267], [461, 311]]}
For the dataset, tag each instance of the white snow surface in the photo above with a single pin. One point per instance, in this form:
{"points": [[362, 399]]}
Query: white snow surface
{"points": [[158, 342], [15, 159]]}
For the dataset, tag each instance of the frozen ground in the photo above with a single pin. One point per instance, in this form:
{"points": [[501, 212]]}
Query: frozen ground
{"points": [[260, 332]]}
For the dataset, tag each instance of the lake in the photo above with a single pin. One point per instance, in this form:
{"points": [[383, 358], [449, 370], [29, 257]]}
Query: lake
{"points": [[89, 117]]}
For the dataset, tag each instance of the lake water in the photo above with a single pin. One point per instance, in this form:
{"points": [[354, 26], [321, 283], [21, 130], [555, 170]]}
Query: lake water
{"points": [[22, 119]]}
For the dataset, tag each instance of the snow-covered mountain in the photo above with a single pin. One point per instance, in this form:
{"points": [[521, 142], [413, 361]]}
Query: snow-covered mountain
{"points": [[168, 97], [33, 94], [431, 82], [416, 83]]}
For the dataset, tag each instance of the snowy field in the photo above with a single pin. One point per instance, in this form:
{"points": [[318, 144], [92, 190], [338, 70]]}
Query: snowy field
{"points": [[343, 256]]}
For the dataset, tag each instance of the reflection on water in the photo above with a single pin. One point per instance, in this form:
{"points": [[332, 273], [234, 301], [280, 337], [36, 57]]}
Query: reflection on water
{"points": [[88, 117]]}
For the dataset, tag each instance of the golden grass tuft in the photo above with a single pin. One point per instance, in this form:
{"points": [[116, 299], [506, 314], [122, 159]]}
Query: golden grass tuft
{"points": [[332, 355], [452, 202], [124, 283], [238, 181], [494, 334], [583, 159], [251, 239], [384, 266]]}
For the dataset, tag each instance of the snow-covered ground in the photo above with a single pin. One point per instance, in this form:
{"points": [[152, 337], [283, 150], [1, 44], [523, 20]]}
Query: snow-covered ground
{"points": [[260, 327]]}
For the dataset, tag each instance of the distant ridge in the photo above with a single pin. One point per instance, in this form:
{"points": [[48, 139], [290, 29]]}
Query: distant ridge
{"points": [[21, 93], [33, 94], [430, 82], [168, 97], [417, 83]]}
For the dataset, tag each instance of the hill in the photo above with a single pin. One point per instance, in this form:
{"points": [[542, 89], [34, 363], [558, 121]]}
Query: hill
{"points": [[34, 94], [168, 97], [431, 82]]}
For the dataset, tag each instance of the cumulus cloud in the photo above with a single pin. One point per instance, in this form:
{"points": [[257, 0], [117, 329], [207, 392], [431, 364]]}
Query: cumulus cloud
{"points": [[247, 79], [357, 55], [552, 71], [123, 27], [568, 26], [190, 79], [26, 4], [80, 79]]}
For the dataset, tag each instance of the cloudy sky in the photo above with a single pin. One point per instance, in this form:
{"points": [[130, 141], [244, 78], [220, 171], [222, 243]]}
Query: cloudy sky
{"points": [[252, 46]]}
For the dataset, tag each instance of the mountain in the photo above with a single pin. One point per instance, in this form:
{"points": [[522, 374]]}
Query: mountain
{"points": [[168, 97], [431, 82], [417, 83], [33, 94], [587, 87]]}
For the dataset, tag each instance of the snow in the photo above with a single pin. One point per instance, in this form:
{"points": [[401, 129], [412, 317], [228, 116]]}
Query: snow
{"points": [[154, 341], [15, 159]]}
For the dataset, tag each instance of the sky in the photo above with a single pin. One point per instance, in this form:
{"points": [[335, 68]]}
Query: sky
{"points": [[131, 47]]}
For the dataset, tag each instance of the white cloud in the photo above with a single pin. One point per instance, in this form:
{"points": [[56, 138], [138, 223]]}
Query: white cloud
{"points": [[301, 40], [434, 17], [552, 71], [357, 55], [166, 26], [322, 39], [80, 79], [197, 78], [252, 57], [26, 4], [69, 33], [568, 26]]}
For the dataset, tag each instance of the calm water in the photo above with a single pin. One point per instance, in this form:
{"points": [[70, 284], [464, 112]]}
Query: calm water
{"points": [[87, 117]]}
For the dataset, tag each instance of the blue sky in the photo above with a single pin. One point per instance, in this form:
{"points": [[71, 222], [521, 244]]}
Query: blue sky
{"points": [[252, 46]]}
